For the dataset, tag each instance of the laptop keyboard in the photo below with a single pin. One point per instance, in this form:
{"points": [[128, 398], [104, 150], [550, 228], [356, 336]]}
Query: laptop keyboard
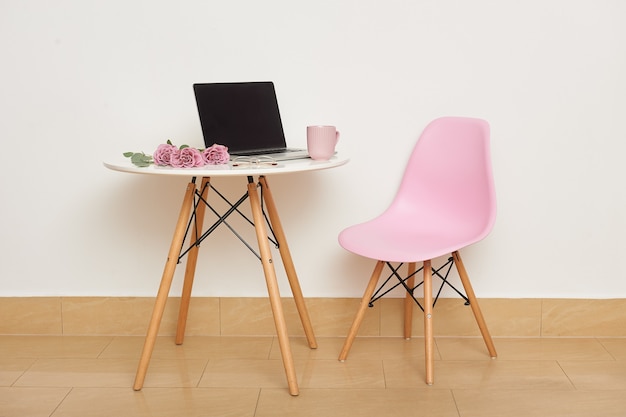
{"points": [[267, 152]]}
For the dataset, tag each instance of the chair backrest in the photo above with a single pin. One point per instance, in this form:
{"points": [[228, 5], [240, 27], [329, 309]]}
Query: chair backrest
{"points": [[448, 180]]}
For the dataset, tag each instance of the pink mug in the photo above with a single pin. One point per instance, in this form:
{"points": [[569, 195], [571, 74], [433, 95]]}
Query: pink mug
{"points": [[321, 141]]}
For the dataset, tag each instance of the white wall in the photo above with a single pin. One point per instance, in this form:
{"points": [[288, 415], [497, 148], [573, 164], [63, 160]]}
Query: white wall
{"points": [[84, 80]]}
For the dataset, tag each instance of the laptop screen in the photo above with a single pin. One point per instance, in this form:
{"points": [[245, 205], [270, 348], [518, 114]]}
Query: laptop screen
{"points": [[241, 116]]}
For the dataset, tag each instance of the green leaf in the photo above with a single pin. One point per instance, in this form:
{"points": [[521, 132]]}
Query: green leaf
{"points": [[169, 142], [140, 159], [183, 146], [128, 154]]}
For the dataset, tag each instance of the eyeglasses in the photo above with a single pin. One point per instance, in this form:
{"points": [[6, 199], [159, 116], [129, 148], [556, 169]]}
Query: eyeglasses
{"points": [[253, 161]]}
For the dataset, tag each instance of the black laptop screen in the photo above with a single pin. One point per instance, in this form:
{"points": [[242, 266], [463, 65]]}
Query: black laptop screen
{"points": [[241, 116]]}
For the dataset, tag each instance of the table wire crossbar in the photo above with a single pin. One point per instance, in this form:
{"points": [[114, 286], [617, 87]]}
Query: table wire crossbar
{"points": [[233, 208]]}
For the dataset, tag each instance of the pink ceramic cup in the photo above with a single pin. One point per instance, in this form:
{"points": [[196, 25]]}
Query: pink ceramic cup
{"points": [[321, 141]]}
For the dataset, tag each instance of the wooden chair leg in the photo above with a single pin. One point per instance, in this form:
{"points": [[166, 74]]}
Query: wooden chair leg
{"points": [[469, 291], [408, 302], [428, 323], [369, 291], [190, 269]]}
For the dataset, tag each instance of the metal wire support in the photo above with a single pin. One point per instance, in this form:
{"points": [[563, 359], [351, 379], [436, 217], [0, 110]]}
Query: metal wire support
{"points": [[221, 219], [442, 272]]}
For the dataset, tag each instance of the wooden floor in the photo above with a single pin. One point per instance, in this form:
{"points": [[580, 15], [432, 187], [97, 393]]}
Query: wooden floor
{"points": [[83, 376]]}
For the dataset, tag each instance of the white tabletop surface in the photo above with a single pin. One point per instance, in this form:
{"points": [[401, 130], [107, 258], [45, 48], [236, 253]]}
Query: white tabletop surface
{"points": [[284, 167]]}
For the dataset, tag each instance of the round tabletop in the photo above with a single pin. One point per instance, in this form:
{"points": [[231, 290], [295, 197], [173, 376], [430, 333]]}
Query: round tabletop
{"points": [[283, 167]]}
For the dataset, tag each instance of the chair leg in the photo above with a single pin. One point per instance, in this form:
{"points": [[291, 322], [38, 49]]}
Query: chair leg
{"points": [[369, 291], [469, 291], [429, 340], [408, 302]]}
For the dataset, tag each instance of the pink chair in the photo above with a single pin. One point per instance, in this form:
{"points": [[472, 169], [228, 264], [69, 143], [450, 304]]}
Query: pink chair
{"points": [[446, 201]]}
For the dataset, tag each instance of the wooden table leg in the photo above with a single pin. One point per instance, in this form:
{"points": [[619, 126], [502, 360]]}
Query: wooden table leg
{"points": [[164, 288], [272, 287], [290, 269], [192, 260]]}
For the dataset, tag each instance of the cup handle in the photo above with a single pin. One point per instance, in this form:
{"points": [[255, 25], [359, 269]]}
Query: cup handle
{"points": [[337, 137]]}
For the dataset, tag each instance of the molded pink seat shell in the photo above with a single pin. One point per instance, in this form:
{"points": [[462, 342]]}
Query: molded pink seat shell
{"points": [[446, 199]]}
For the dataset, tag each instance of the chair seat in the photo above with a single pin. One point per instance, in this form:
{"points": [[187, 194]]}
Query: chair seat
{"points": [[383, 239]]}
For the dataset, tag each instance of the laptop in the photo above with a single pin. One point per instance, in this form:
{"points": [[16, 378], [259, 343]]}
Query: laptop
{"points": [[245, 118]]}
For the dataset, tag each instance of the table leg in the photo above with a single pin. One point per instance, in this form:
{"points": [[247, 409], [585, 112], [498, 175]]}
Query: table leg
{"points": [[164, 288], [272, 287], [192, 260], [290, 269]]}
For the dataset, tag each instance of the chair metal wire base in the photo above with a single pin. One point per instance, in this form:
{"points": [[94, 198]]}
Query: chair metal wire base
{"points": [[442, 272]]}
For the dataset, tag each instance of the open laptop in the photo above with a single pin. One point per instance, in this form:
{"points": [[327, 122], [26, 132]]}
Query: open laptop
{"points": [[245, 118]]}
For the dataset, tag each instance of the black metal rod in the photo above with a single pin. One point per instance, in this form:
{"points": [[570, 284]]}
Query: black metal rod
{"points": [[199, 199], [379, 293], [406, 287], [222, 219]]}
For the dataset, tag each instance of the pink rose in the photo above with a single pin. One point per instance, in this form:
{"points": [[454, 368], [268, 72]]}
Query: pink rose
{"points": [[216, 155], [163, 154], [186, 158]]}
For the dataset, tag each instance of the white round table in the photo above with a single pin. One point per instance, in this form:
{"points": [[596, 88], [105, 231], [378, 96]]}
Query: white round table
{"points": [[195, 201]]}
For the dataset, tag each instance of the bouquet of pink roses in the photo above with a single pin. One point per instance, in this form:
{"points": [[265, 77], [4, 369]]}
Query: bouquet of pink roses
{"points": [[185, 156]]}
